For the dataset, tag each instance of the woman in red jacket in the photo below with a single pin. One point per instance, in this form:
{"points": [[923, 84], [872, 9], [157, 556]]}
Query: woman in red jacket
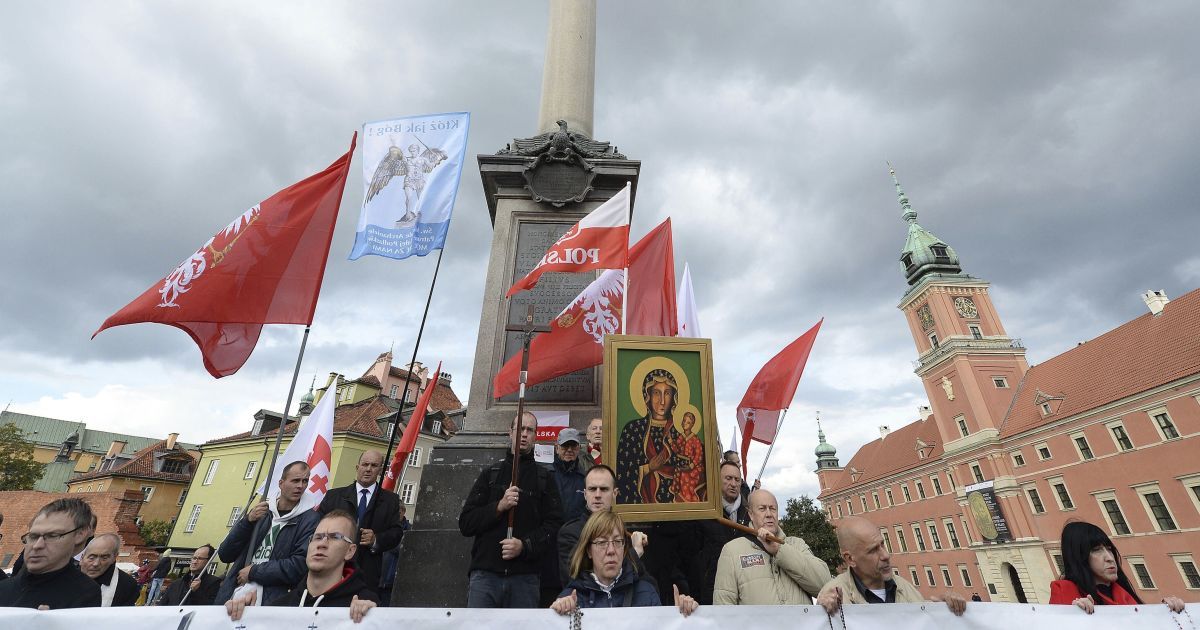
{"points": [[1093, 574]]}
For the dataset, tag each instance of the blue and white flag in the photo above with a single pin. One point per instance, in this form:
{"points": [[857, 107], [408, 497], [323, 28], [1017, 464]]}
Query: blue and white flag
{"points": [[411, 168]]}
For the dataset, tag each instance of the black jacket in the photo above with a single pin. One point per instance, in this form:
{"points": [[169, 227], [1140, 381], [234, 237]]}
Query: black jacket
{"points": [[67, 587], [382, 517], [162, 569], [714, 535], [570, 479], [203, 596], [127, 587], [538, 516], [341, 594]]}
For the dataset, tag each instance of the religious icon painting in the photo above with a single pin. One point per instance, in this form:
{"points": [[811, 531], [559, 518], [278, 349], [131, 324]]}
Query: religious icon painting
{"points": [[660, 427]]}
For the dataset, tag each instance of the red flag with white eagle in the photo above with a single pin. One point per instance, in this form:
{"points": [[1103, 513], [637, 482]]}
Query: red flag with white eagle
{"points": [[772, 390], [576, 337], [408, 440], [599, 241], [265, 267], [313, 445]]}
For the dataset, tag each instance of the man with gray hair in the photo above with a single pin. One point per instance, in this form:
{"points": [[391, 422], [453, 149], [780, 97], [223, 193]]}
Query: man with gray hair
{"points": [[50, 580], [99, 562]]}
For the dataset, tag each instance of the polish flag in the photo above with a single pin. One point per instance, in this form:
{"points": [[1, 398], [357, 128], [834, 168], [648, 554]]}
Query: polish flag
{"points": [[313, 446], [772, 390], [599, 241], [408, 440]]}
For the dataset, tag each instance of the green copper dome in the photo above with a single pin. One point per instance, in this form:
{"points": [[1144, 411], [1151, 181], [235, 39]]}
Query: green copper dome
{"points": [[823, 448], [923, 251]]}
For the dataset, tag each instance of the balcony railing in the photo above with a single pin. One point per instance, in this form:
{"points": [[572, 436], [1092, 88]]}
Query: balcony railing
{"points": [[957, 343]]}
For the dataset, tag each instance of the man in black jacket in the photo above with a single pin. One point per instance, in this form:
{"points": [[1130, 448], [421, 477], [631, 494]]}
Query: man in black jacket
{"points": [[99, 562], [330, 581], [715, 535], [49, 578], [199, 587], [505, 563], [378, 513]]}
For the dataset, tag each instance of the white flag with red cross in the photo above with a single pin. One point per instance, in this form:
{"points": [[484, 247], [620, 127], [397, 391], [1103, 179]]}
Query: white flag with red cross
{"points": [[313, 445]]}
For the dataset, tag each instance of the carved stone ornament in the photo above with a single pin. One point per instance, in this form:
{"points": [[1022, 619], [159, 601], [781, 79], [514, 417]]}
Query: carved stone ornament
{"points": [[949, 387], [558, 170], [925, 316]]}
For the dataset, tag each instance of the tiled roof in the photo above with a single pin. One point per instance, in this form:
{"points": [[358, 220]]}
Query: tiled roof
{"points": [[141, 465], [51, 432], [1139, 355], [888, 455]]}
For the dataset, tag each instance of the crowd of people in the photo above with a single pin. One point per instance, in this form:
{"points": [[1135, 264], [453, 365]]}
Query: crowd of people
{"points": [[549, 539]]}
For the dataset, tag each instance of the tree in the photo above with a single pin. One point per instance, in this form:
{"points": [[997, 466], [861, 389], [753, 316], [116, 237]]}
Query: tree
{"points": [[155, 533], [18, 470], [802, 518]]}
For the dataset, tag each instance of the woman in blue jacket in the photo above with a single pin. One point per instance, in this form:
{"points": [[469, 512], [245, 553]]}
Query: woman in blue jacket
{"points": [[603, 576]]}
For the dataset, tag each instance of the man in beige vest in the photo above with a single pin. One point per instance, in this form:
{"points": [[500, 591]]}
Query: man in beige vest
{"points": [[869, 578], [754, 570]]}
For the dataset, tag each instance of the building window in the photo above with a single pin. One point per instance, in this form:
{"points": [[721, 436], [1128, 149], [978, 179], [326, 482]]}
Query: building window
{"points": [[234, 515], [920, 538], [1081, 445], [937, 485], [182, 496], [950, 478], [975, 470], [395, 390], [976, 331], [939, 251], [1192, 484], [1187, 568], [1046, 409], [1120, 436], [929, 574], [966, 529], [950, 531], [875, 498], [1060, 492], [907, 496], [946, 575], [849, 507], [1143, 574], [900, 537], [175, 467], [408, 492], [920, 489], [436, 429], [251, 466], [1058, 563], [962, 425], [414, 458], [887, 540], [1166, 428], [1035, 501], [839, 507], [966, 576], [1018, 460], [916, 581], [1157, 508], [1000, 382], [1112, 512], [933, 340], [192, 518], [212, 471], [1043, 451], [933, 535], [863, 499], [147, 492], [892, 502]]}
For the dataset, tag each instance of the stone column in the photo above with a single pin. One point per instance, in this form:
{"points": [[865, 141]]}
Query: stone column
{"points": [[569, 73]]}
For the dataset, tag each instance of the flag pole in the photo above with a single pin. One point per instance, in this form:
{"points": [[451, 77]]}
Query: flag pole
{"points": [[625, 300], [772, 447], [527, 336], [387, 458]]}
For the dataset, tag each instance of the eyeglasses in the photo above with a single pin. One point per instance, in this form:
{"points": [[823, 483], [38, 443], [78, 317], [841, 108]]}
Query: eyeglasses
{"points": [[617, 543], [31, 538], [319, 536]]}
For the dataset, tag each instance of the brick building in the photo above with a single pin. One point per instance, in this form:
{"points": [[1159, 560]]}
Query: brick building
{"points": [[116, 512], [973, 495]]}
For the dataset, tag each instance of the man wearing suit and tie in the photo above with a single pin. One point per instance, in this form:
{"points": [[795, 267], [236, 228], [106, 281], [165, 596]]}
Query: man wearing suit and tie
{"points": [[378, 513]]}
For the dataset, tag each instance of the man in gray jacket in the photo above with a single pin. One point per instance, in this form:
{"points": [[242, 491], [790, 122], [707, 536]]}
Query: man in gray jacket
{"points": [[759, 570]]}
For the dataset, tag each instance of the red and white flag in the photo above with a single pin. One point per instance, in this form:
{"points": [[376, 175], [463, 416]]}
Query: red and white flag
{"points": [[599, 241], [576, 337], [689, 319], [313, 445], [265, 267], [408, 440], [772, 390]]}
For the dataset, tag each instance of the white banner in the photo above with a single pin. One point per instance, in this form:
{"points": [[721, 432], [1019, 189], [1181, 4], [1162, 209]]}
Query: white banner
{"points": [[979, 616]]}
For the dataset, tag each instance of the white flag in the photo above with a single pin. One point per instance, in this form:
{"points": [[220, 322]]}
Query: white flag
{"points": [[312, 445], [689, 320]]}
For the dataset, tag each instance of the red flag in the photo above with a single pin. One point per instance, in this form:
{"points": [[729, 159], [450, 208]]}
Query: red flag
{"points": [[265, 267], [576, 337], [408, 440], [772, 390], [599, 241]]}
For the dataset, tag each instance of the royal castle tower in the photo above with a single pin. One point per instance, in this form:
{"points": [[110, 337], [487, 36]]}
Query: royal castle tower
{"points": [[967, 362]]}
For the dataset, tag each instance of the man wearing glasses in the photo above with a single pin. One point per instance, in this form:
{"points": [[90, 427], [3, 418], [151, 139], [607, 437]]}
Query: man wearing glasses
{"points": [[199, 587], [330, 582], [49, 580]]}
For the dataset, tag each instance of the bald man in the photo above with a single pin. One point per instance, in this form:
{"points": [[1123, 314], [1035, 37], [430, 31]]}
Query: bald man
{"points": [[377, 511], [755, 570], [99, 562], [869, 578]]}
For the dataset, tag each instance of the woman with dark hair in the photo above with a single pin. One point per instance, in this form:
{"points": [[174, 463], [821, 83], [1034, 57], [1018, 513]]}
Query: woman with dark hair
{"points": [[603, 576], [1092, 572]]}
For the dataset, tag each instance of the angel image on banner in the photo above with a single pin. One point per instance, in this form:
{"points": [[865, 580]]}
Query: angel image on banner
{"points": [[411, 169]]}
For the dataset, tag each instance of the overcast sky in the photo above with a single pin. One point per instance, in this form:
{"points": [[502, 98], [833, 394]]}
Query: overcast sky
{"points": [[1053, 145]]}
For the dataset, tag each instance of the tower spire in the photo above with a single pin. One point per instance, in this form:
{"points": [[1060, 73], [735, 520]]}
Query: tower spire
{"points": [[909, 214]]}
